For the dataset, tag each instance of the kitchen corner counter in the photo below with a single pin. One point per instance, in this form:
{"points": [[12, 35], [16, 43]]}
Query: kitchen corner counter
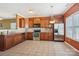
{"points": [[8, 41]]}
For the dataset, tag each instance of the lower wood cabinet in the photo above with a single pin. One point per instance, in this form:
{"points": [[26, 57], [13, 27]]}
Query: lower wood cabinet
{"points": [[29, 35], [25, 36], [51, 36], [1, 42], [17, 38], [46, 36], [7, 41]]}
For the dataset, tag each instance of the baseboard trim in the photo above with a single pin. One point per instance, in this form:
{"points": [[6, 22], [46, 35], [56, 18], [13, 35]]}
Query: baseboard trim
{"points": [[72, 47]]}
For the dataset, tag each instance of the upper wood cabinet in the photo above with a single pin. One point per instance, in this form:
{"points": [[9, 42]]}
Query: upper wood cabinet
{"points": [[36, 20], [21, 23], [59, 19], [45, 22], [31, 22]]}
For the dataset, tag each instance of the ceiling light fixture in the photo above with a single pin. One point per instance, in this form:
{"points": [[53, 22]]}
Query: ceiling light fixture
{"points": [[30, 11], [52, 21]]}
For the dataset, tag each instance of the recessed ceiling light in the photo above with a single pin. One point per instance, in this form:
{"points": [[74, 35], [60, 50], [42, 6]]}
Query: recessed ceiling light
{"points": [[52, 22], [30, 11]]}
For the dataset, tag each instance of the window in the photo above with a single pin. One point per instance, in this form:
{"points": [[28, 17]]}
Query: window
{"points": [[69, 22], [76, 27], [77, 34], [69, 27], [13, 25], [72, 26]]}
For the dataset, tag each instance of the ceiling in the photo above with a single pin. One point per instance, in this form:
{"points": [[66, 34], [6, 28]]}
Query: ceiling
{"points": [[9, 10]]}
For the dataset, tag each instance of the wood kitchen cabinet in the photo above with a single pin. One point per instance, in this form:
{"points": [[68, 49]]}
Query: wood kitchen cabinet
{"points": [[8, 41], [44, 22], [17, 38], [51, 37], [21, 23], [31, 22], [29, 35], [1, 42], [37, 20], [46, 36], [25, 35], [41, 36]]}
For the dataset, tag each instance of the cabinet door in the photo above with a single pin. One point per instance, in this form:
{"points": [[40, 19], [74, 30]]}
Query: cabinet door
{"points": [[37, 20], [31, 21], [30, 36], [44, 22], [21, 23], [42, 36], [1, 42], [9, 41], [46, 36], [17, 38], [25, 36], [50, 36]]}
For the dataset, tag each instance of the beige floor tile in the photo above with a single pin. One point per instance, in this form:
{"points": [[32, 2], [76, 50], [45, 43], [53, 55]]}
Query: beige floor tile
{"points": [[40, 48]]}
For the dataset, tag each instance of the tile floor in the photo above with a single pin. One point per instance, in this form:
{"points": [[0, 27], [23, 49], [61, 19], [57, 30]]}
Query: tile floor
{"points": [[40, 48]]}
